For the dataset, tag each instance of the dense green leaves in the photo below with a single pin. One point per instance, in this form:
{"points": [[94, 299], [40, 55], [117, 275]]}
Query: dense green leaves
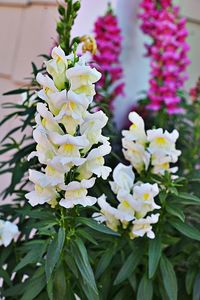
{"points": [[169, 278], [54, 252], [154, 253]]}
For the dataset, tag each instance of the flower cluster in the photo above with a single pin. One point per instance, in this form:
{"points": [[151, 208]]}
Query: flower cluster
{"points": [[135, 201], [70, 144], [168, 53], [8, 231], [155, 149], [108, 38]]}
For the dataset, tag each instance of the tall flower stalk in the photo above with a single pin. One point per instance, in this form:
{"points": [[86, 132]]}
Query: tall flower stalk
{"points": [[168, 50], [70, 144]]}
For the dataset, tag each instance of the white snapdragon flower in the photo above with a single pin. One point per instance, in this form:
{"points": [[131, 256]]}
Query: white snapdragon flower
{"points": [[94, 163], [76, 193], [57, 67], [8, 231], [143, 226], [127, 204], [136, 131], [50, 94], [161, 164], [82, 79], [136, 154], [144, 195], [123, 178], [107, 214], [162, 142], [92, 127], [45, 188]]}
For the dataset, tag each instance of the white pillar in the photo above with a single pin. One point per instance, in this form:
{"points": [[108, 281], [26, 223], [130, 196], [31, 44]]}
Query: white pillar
{"points": [[136, 66]]}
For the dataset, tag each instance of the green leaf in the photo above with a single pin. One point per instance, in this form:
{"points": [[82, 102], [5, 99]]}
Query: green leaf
{"points": [[60, 283], [154, 253], [33, 256], [169, 278], [96, 226], [34, 287], [54, 252], [15, 92], [5, 276], [186, 230], [104, 262], [189, 280], [82, 262], [129, 266], [196, 289], [50, 289], [175, 211], [188, 199], [145, 289]]}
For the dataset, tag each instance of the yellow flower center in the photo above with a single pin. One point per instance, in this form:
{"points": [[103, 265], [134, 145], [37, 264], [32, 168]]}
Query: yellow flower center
{"points": [[146, 196], [133, 126], [126, 204], [160, 140]]}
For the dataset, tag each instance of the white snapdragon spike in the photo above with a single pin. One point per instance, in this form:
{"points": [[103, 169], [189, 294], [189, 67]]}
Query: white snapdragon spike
{"points": [[136, 131], [143, 226], [123, 178], [136, 154], [65, 132], [76, 193], [57, 67], [8, 231]]}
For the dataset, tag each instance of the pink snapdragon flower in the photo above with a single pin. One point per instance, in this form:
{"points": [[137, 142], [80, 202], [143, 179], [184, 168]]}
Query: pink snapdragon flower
{"points": [[108, 38], [168, 53]]}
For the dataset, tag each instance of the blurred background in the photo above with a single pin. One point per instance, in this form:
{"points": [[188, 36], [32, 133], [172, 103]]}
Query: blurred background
{"points": [[28, 28]]}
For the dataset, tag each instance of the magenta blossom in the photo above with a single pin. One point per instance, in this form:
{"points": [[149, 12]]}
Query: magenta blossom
{"points": [[168, 53], [108, 38]]}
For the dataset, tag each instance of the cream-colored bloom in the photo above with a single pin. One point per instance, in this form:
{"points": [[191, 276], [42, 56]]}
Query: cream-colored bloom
{"points": [[76, 193], [136, 131], [162, 142], [136, 154], [161, 164], [92, 127], [108, 214], [57, 67], [50, 93], [8, 231], [127, 204], [82, 79], [144, 195], [94, 163], [123, 178], [143, 226]]}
